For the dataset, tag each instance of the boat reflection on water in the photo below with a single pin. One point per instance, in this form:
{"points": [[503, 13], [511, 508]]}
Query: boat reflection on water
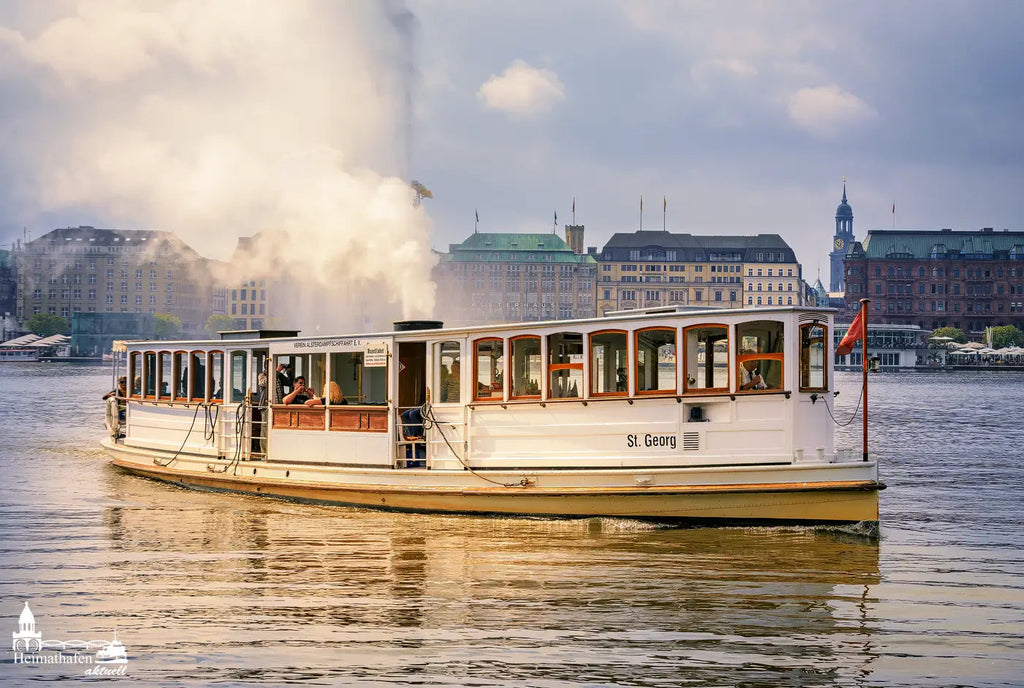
{"points": [[464, 596]]}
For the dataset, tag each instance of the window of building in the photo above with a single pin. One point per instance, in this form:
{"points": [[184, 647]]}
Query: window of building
{"points": [[656, 360], [609, 366], [759, 361]]}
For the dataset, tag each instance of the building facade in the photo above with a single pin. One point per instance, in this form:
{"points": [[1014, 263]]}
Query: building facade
{"points": [[938, 278], [842, 239], [89, 270], [496, 277], [646, 269]]}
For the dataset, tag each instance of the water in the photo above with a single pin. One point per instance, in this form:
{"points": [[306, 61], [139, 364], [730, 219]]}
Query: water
{"points": [[234, 590]]}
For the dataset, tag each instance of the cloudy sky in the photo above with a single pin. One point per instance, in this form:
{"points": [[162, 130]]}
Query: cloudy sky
{"points": [[745, 116]]}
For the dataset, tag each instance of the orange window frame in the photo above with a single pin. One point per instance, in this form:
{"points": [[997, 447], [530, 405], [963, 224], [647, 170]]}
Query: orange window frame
{"points": [[194, 358], [686, 371], [160, 375], [555, 367], [636, 360], [176, 375], [476, 370], [593, 368], [824, 358], [134, 371], [512, 357], [210, 382], [740, 358], [149, 372]]}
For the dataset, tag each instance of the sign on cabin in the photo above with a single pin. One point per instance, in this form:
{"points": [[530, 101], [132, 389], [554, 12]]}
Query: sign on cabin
{"points": [[375, 355]]}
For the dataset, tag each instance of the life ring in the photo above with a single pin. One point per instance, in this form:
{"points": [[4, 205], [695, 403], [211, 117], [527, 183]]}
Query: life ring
{"points": [[113, 419]]}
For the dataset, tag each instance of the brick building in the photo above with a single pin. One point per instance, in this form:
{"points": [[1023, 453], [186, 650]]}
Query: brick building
{"points": [[938, 278], [89, 270]]}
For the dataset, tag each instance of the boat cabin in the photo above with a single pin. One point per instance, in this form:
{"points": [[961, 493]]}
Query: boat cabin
{"points": [[656, 388]]}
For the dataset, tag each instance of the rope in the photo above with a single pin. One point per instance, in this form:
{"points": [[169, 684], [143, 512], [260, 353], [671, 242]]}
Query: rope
{"points": [[430, 421], [239, 436], [175, 457], [856, 409]]}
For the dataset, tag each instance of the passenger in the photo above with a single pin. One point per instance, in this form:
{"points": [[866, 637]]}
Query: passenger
{"points": [[121, 391], [301, 394], [452, 385], [412, 431], [751, 375], [284, 382], [332, 392]]}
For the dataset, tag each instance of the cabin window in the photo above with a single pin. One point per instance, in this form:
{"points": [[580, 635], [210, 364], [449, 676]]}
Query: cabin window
{"points": [[198, 366], [449, 366], [656, 360], [759, 364], [310, 367], [565, 365], [706, 358], [609, 367], [181, 376], [812, 357], [149, 375], [525, 367], [216, 382], [135, 373], [490, 366], [166, 375], [238, 376], [357, 382]]}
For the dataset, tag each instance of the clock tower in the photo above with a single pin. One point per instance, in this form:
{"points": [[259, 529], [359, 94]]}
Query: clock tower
{"points": [[842, 239]]}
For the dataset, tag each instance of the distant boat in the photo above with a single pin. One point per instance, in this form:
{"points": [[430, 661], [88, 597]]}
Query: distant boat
{"points": [[113, 652], [19, 355]]}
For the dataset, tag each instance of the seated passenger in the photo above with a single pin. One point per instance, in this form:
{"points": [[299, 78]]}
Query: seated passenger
{"points": [[751, 374], [332, 392], [300, 394]]}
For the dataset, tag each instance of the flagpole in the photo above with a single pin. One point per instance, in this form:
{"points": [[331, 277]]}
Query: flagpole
{"points": [[664, 214], [864, 372], [641, 212], [574, 210]]}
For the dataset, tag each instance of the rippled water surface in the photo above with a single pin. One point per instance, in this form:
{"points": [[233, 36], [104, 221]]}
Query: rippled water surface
{"points": [[231, 590]]}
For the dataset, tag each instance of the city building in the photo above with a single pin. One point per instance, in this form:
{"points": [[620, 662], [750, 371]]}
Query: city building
{"points": [[895, 346], [645, 269], [88, 270], [8, 287], [842, 240], [92, 334], [496, 277], [938, 278]]}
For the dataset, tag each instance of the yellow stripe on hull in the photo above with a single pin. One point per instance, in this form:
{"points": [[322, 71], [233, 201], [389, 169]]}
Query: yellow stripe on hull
{"points": [[844, 502]]}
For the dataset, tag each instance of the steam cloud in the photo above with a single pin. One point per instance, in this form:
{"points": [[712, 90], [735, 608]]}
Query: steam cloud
{"points": [[227, 119]]}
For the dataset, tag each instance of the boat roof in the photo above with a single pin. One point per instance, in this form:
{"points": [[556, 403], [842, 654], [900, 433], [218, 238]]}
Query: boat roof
{"points": [[614, 316]]}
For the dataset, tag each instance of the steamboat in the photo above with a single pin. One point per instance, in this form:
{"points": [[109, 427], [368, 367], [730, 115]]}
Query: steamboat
{"points": [[674, 414]]}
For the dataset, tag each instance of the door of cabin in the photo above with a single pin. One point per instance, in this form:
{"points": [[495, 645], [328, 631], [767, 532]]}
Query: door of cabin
{"points": [[412, 392]]}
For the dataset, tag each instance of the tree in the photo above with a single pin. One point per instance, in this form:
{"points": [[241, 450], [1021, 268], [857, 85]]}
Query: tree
{"points": [[1005, 336], [46, 324], [219, 323], [954, 333], [167, 326]]}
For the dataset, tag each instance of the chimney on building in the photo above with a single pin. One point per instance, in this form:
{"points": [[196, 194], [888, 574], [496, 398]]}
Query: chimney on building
{"points": [[574, 238]]}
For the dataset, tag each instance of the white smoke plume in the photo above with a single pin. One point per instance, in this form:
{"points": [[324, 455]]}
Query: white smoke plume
{"points": [[222, 119]]}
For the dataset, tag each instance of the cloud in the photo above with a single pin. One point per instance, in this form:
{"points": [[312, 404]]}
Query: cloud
{"points": [[522, 90], [211, 120], [826, 110]]}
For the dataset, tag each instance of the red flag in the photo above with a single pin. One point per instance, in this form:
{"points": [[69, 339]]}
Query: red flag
{"points": [[853, 335]]}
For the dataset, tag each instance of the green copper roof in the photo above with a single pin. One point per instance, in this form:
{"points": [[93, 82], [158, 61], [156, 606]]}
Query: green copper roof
{"points": [[921, 244], [501, 247]]}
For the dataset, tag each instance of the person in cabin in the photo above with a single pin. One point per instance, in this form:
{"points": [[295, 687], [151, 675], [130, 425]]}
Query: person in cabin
{"points": [[284, 382], [332, 392], [451, 385], [300, 394], [137, 385], [751, 374], [122, 389]]}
